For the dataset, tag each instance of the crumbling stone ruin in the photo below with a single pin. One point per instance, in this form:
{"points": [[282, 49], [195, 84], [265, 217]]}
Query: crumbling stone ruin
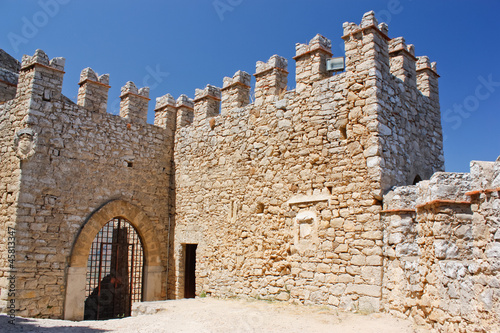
{"points": [[331, 193]]}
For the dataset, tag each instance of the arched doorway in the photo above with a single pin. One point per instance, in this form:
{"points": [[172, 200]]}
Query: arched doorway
{"points": [[114, 271], [153, 272]]}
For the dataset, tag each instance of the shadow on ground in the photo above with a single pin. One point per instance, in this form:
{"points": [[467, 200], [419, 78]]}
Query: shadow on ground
{"points": [[31, 325]]}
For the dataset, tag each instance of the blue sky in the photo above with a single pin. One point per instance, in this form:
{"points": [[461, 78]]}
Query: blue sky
{"points": [[177, 46]]}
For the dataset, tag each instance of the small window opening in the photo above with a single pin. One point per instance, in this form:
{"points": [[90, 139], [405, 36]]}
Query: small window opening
{"points": [[47, 95], [129, 164], [343, 132], [260, 208], [330, 189]]}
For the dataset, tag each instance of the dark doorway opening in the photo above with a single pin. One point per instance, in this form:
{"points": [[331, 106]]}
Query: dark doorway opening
{"points": [[114, 271], [190, 271], [416, 180]]}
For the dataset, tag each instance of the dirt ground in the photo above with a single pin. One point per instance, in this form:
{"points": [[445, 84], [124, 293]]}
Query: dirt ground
{"points": [[210, 315]]}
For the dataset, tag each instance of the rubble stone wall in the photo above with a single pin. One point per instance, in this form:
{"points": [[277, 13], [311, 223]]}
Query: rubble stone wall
{"points": [[79, 160], [442, 249], [331, 193], [283, 195]]}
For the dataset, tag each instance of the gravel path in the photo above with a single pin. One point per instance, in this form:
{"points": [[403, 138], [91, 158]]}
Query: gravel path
{"points": [[209, 315]]}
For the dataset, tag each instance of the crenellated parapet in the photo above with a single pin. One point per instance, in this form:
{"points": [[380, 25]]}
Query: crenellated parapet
{"points": [[311, 61], [134, 102], [366, 49], [185, 111], [427, 79], [403, 61], [41, 59], [93, 91], [371, 54], [271, 79], [165, 112], [235, 91], [206, 104], [40, 77]]}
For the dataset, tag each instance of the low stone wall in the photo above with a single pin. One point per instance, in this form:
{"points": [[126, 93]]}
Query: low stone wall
{"points": [[442, 248]]}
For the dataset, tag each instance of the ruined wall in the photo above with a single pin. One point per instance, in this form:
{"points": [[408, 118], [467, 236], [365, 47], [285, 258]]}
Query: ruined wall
{"points": [[283, 195], [83, 158], [442, 246]]}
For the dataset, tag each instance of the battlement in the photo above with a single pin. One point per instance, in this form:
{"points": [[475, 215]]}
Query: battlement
{"points": [[274, 63], [370, 54], [185, 111], [185, 101], [427, 79], [369, 21], [402, 63], [88, 74], [319, 42], [271, 79], [311, 61], [376, 69], [40, 77], [398, 45], [209, 91], [235, 91], [93, 91], [165, 112], [165, 101], [174, 114], [41, 59], [206, 104], [134, 102]]}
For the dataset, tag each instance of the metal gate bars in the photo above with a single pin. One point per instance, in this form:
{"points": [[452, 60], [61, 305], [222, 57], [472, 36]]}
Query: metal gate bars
{"points": [[114, 271]]}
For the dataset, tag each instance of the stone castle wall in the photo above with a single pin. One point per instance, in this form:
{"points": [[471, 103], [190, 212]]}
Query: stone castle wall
{"points": [[283, 195], [309, 195], [83, 159], [442, 244]]}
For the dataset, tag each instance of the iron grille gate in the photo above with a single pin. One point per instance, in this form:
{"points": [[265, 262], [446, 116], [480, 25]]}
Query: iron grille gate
{"points": [[114, 271]]}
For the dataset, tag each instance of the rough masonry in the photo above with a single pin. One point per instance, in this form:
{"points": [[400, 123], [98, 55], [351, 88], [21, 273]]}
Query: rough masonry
{"points": [[331, 193]]}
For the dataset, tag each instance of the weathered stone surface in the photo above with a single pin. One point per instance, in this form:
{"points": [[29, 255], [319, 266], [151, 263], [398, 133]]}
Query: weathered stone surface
{"points": [[75, 159], [283, 193], [441, 238]]}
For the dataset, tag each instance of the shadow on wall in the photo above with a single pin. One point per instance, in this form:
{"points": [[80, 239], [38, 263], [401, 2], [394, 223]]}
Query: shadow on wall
{"points": [[31, 325]]}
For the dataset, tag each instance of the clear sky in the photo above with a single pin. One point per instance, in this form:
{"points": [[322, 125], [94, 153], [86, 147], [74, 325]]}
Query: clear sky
{"points": [[177, 46]]}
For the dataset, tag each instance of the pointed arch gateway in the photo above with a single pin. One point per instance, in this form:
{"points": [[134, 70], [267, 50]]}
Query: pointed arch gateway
{"points": [[76, 278]]}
